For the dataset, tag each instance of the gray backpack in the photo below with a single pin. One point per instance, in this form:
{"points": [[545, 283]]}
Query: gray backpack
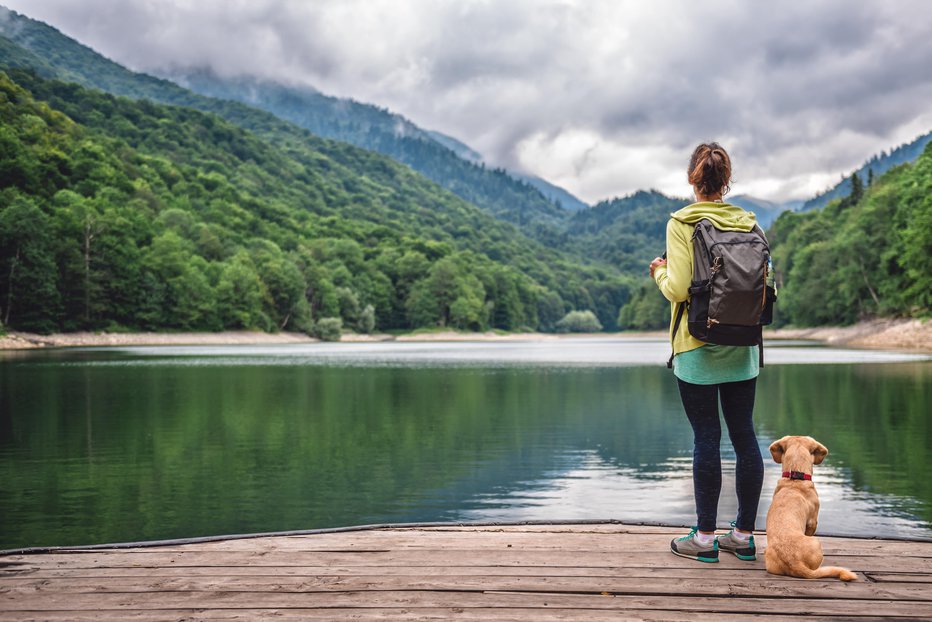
{"points": [[732, 292]]}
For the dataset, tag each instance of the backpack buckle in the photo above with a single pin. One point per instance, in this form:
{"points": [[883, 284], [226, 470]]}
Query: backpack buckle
{"points": [[716, 266]]}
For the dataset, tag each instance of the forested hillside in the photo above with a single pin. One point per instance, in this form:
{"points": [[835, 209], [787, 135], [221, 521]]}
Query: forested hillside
{"points": [[867, 255], [132, 215]]}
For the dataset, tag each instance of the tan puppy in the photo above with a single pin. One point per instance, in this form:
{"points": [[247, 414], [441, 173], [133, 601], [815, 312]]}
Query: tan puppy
{"points": [[792, 549]]}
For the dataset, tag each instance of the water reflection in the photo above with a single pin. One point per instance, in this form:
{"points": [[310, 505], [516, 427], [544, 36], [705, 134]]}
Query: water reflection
{"points": [[103, 445], [562, 352], [597, 490]]}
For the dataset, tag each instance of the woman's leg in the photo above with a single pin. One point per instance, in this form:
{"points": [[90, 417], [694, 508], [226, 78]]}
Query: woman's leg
{"points": [[738, 409], [701, 405]]}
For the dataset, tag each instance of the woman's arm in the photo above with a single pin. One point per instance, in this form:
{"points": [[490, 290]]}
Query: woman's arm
{"points": [[673, 277]]}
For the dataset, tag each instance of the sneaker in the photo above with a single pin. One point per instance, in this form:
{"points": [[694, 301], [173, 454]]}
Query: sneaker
{"points": [[688, 546], [742, 549]]}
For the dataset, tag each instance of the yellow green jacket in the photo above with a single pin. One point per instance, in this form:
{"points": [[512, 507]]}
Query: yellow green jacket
{"points": [[675, 277]]}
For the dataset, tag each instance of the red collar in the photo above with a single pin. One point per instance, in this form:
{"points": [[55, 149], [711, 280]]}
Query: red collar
{"points": [[797, 475]]}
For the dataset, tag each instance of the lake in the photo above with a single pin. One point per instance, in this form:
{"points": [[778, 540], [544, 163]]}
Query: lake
{"points": [[139, 443]]}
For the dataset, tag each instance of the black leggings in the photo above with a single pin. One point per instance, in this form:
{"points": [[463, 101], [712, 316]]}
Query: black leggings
{"points": [[701, 404]]}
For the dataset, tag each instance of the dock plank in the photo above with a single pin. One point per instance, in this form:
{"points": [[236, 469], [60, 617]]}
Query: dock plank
{"points": [[368, 599], [659, 557], [482, 538], [645, 573], [559, 572], [425, 614], [763, 586]]}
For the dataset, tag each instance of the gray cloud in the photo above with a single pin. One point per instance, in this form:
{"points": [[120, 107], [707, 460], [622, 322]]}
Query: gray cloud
{"points": [[602, 96]]}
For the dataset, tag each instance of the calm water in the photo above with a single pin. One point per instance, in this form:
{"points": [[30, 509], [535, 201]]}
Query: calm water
{"points": [[107, 445]]}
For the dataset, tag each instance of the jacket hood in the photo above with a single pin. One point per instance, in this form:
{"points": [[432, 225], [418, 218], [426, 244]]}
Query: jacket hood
{"points": [[724, 216]]}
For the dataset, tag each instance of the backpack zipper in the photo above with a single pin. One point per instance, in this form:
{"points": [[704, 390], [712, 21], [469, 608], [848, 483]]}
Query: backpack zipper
{"points": [[763, 298]]}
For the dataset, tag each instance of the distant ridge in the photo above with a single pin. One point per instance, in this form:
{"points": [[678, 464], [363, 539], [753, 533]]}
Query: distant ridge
{"points": [[875, 166], [526, 201], [555, 193], [766, 211], [459, 148]]}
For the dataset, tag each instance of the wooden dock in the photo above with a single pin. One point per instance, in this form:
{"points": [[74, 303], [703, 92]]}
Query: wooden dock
{"points": [[537, 573]]}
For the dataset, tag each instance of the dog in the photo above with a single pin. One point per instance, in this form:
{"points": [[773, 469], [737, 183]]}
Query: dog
{"points": [[792, 549]]}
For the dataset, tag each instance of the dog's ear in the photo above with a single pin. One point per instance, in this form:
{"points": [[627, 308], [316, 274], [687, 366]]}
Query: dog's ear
{"points": [[819, 451], [777, 449]]}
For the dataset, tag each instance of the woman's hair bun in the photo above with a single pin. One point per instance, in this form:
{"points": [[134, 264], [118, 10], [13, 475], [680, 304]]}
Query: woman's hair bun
{"points": [[710, 169]]}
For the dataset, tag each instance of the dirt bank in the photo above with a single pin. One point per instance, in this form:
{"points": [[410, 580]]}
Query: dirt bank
{"points": [[912, 335], [16, 340]]}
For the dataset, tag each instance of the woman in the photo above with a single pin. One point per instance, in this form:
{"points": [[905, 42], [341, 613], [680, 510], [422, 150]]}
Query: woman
{"points": [[706, 371]]}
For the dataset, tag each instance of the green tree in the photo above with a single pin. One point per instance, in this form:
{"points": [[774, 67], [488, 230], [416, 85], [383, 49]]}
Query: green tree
{"points": [[857, 188], [328, 329], [366, 323], [194, 301], [579, 322], [284, 285], [241, 294], [29, 297], [188, 300], [349, 305], [450, 295], [550, 310], [647, 310]]}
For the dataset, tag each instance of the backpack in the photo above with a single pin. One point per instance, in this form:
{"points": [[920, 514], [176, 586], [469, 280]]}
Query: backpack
{"points": [[732, 291]]}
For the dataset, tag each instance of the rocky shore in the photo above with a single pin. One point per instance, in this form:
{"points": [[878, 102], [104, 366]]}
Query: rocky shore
{"points": [[908, 335]]}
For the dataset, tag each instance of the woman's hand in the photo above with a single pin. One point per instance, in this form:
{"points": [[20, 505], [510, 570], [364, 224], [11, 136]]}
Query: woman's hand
{"points": [[658, 261]]}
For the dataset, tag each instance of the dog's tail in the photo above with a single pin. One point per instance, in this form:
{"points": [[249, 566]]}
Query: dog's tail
{"points": [[831, 571]]}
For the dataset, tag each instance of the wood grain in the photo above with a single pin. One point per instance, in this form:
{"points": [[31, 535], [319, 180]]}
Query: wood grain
{"points": [[559, 572]]}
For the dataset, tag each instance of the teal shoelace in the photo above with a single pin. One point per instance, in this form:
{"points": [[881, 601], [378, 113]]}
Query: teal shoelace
{"points": [[691, 534]]}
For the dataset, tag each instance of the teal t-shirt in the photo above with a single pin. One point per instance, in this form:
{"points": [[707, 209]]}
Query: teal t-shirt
{"points": [[714, 364]]}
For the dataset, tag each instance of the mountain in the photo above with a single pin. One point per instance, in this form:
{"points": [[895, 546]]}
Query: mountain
{"points": [[626, 232], [443, 159], [766, 211], [458, 147], [558, 195], [875, 166]]}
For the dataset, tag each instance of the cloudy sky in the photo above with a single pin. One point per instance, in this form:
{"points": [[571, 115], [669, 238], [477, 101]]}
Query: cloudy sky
{"points": [[601, 97]]}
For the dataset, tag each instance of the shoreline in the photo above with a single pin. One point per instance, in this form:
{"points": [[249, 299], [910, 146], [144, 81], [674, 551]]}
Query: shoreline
{"points": [[905, 335]]}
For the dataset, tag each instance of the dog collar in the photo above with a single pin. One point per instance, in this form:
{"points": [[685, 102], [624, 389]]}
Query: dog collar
{"points": [[797, 475]]}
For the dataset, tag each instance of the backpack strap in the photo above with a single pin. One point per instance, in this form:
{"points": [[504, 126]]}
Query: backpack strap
{"points": [[676, 325], [760, 349]]}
